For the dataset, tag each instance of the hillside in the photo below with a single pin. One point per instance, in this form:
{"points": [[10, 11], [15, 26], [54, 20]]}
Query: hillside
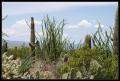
{"points": [[12, 44]]}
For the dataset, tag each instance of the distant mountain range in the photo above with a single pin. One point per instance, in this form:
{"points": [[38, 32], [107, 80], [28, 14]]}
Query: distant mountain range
{"points": [[12, 44]]}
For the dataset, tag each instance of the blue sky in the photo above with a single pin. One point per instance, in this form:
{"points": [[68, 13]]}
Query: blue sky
{"points": [[81, 17]]}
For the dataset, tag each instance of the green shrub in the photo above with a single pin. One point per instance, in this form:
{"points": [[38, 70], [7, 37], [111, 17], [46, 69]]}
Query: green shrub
{"points": [[81, 57], [109, 69], [21, 52], [91, 63]]}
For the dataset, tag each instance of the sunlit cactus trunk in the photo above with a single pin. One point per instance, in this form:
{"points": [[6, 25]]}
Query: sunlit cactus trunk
{"points": [[115, 35], [88, 41], [4, 47], [116, 40], [32, 38]]}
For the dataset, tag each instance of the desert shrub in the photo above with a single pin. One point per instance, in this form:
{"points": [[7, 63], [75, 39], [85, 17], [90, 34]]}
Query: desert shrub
{"points": [[81, 57], [109, 60], [11, 66], [21, 52], [91, 63], [109, 69]]}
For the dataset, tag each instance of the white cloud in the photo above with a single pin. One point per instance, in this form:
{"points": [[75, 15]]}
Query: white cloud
{"points": [[84, 23], [72, 26], [15, 8], [20, 29]]}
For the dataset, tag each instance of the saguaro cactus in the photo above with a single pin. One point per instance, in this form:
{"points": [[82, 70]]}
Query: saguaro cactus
{"points": [[4, 48], [88, 40], [32, 38], [115, 35], [38, 50]]}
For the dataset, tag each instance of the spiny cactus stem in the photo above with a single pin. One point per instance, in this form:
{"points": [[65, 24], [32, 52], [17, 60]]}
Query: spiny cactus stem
{"points": [[32, 37]]}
